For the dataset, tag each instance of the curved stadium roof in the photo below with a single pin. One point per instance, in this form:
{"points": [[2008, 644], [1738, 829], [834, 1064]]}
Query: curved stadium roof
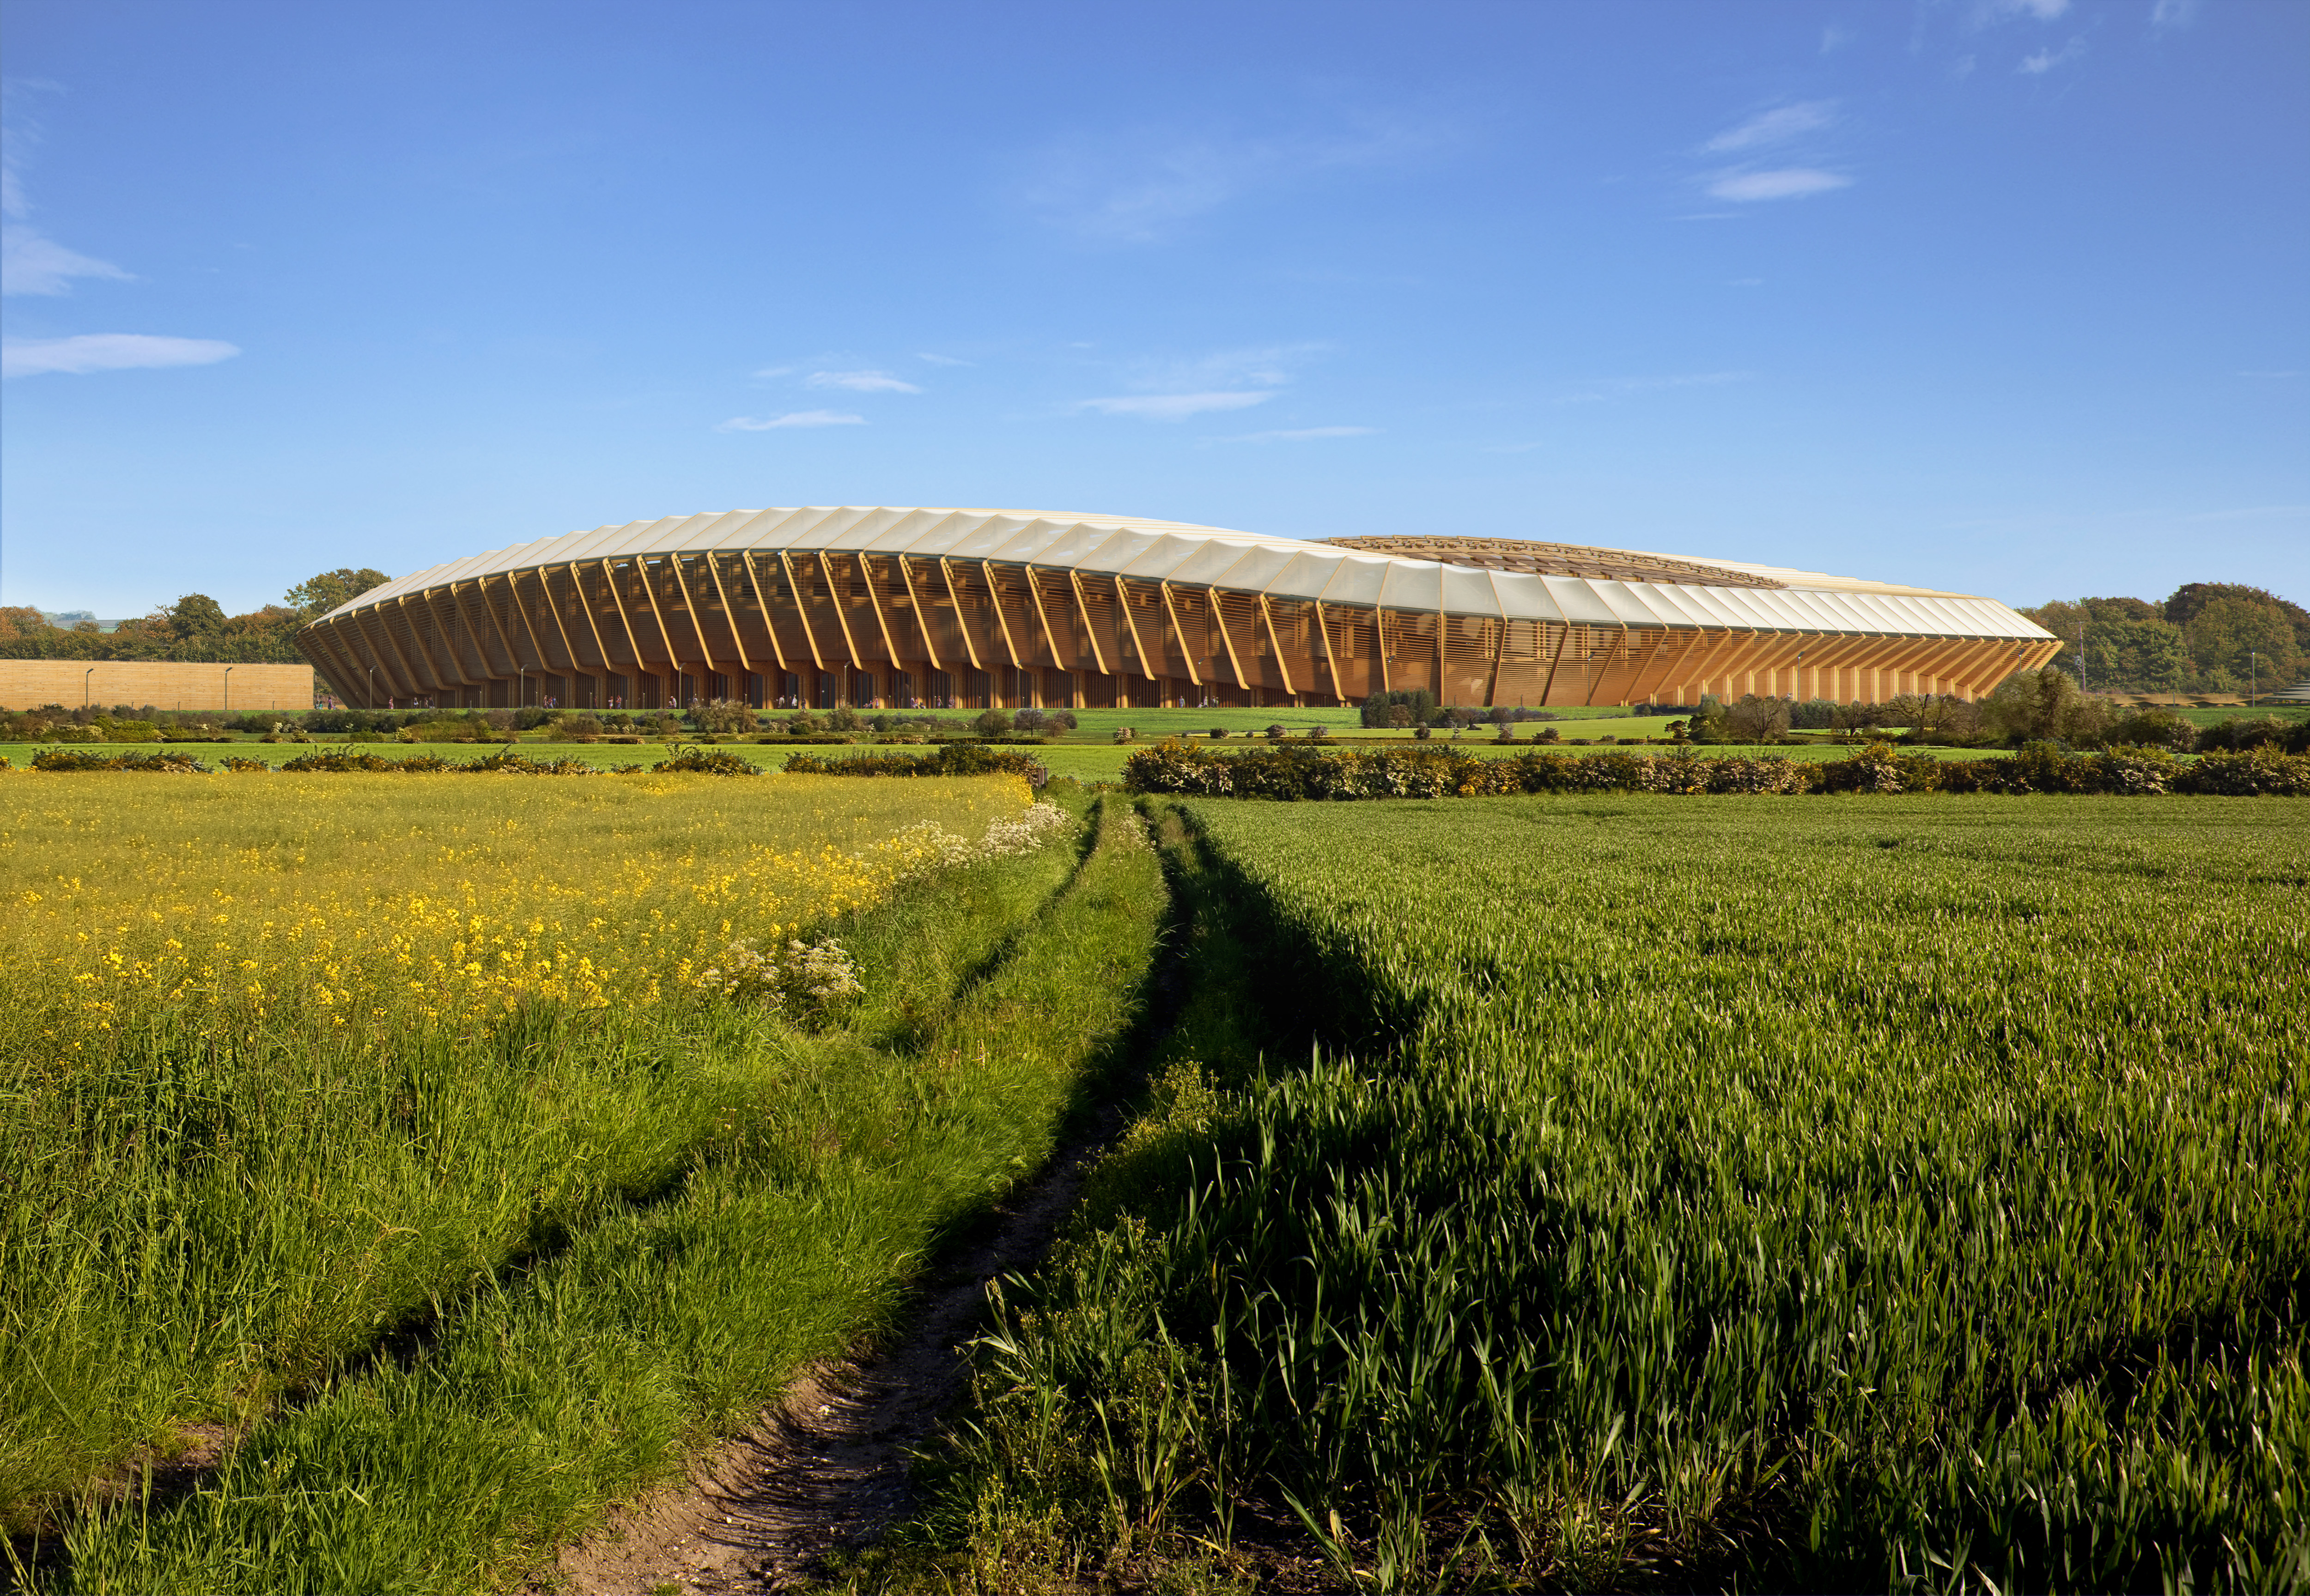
{"points": [[893, 607], [1507, 579]]}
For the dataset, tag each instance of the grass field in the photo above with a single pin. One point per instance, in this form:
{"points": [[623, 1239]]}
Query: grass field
{"points": [[1880, 1194], [379, 1134]]}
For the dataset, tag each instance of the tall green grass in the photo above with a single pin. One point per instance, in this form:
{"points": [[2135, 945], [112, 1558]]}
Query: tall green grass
{"points": [[204, 1206], [558, 1388], [1852, 1195]]}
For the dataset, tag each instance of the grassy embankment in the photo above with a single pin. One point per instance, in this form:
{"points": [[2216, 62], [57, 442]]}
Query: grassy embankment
{"points": [[453, 1275], [1865, 1194]]}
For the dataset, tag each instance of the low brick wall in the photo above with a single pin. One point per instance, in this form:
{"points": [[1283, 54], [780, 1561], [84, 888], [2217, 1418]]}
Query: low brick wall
{"points": [[28, 683]]}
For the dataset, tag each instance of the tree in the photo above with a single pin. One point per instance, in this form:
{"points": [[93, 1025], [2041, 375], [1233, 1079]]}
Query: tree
{"points": [[2242, 638], [2035, 706], [320, 594], [2191, 597], [1758, 720], [2142, 657], [1707, 724], [195, 615]]}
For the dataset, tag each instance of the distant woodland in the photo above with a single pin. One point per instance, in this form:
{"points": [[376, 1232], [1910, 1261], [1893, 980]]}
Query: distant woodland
{"points": [[2208, 638], [195, 627]]}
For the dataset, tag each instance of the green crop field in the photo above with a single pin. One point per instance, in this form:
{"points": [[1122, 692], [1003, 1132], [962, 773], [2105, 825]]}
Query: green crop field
{"points": [[1850, 1194], [416, 1168]]}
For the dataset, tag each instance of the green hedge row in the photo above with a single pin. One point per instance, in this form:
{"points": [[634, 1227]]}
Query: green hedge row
{"points": [[1295, 773], [338, 761]]}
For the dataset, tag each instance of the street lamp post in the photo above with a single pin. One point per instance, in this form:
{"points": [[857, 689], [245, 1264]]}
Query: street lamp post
{"points": [[84, 675], [228, 690], [2253, 675]]}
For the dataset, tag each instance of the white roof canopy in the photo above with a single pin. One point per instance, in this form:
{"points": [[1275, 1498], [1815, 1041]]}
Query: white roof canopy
{"points": [[1281, 568]]}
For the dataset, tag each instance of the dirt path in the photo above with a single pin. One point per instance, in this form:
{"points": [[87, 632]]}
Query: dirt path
{"points": [[827, 1468]]}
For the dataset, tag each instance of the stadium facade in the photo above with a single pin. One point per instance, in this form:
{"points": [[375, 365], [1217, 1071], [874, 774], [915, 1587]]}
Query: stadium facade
{"points": [[891, 608]]}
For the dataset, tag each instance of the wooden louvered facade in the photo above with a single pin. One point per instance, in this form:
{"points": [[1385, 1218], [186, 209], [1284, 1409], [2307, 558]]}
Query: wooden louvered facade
{"points": [[819, 626]]}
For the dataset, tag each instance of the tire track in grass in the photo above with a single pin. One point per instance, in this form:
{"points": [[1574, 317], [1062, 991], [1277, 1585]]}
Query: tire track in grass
{"points": [[827, 1468], [558, 1393]]}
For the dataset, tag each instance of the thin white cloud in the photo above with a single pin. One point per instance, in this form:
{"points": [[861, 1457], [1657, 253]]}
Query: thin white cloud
{"points": [[2040, 61], [798, 417], [862, 382], [942, 359], [1796, 182], [1774, 127], [2172, 13], [1264, 366], [108, 352], [1622, 387], [31, 261], [1299, 434], [1173, 407], [1171, 388], [1142, 186], [2042, 10]]}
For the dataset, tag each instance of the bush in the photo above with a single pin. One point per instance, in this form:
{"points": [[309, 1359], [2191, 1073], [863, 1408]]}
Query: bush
{"points": [[2156, 727], [1299, 773], [2239, 733], [991, 723], [706, 761], [723, 715], [950, 759], [2261, 772], [57, 759]]}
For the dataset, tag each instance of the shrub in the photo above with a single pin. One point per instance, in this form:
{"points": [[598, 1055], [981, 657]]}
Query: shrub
{"points": [[514, 764], [1301, 773], [57, 759], [2261, 772], [723, 715], [335, 761], [991, 723], [706, 761], [2239, 733], [950, 759], [2155, 727]]}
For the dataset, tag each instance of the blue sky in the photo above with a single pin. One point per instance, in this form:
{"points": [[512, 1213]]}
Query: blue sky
{"points": [[2008, 296]]}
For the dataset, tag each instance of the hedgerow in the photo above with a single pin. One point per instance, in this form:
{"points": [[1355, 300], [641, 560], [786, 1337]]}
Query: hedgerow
{"points": [[1297, 773], [952, 759]]}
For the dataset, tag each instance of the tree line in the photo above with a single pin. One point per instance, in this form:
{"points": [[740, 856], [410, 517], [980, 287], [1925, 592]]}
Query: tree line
{"points": [[195, 627], [2207, 638]]}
